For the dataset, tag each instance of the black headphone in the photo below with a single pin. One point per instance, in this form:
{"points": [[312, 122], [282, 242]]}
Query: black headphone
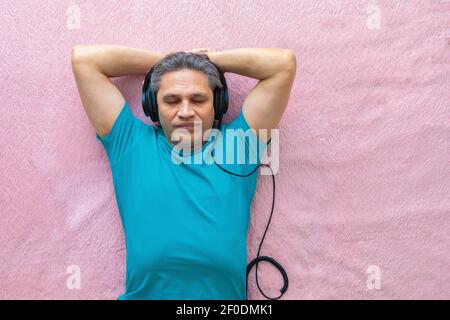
{"points": [[150, 107]]}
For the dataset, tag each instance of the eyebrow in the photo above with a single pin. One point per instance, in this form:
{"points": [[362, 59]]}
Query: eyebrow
{"points": [[173, 95]]}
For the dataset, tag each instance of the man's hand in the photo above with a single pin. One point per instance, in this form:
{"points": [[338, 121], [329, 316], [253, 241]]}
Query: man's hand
{"points": [[201, 50]]}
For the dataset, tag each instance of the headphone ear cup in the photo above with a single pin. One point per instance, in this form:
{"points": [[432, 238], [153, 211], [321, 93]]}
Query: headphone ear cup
{"points": [[223, 96], [217, 97], [149, 103], [153, 106], [144, 97], [220, 98]]}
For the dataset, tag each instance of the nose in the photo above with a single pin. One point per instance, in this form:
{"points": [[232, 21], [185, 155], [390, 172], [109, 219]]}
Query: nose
{"points": [[186, 110]]}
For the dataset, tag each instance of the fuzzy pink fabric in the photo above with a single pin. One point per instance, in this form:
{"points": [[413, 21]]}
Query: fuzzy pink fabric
{"points": [[362, 205]]}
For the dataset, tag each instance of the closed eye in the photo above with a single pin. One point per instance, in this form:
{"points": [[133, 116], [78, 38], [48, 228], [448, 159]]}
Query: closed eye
{"points": [[196, 101]]}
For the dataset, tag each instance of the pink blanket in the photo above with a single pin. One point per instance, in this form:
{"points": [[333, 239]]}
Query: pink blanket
{"points": [[362, 205]]}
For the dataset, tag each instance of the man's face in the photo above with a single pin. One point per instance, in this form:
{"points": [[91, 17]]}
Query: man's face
{"points": [[185, 97]]}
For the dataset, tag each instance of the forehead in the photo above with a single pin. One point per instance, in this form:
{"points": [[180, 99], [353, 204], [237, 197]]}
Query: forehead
{"points": [[184, 82]]}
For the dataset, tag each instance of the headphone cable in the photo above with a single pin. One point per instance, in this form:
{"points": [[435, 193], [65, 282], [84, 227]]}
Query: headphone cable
{"points": [[262, 258]]}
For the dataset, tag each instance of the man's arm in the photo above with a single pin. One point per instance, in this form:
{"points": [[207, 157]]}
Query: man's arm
{"points": [[275, 69], [93, 65]]}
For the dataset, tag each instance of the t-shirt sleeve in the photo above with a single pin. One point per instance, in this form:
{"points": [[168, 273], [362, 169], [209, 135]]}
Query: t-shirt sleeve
{"points": [[123, 134], [246, 138]]}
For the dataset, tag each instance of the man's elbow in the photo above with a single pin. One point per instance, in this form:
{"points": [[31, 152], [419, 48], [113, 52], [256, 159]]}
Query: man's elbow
{"points": [[78, 54], [290, 60]]}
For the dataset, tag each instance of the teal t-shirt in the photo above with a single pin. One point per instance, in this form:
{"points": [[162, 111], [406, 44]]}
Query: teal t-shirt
{"points": [[185, 222]]}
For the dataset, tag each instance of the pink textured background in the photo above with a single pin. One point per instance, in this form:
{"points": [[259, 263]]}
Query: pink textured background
{"points": [[364, 175]]}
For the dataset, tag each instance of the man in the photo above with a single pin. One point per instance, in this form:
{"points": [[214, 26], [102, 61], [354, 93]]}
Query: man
{"points": [[185, 225]]}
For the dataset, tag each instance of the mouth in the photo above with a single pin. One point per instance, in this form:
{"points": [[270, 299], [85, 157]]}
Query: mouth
{"points": [[186, 125]]}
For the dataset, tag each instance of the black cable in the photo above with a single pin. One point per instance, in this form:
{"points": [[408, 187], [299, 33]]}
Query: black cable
{"points": [[262, 258]]}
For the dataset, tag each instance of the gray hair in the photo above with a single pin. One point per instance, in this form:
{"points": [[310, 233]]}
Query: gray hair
{"points": [[185, 60]]}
